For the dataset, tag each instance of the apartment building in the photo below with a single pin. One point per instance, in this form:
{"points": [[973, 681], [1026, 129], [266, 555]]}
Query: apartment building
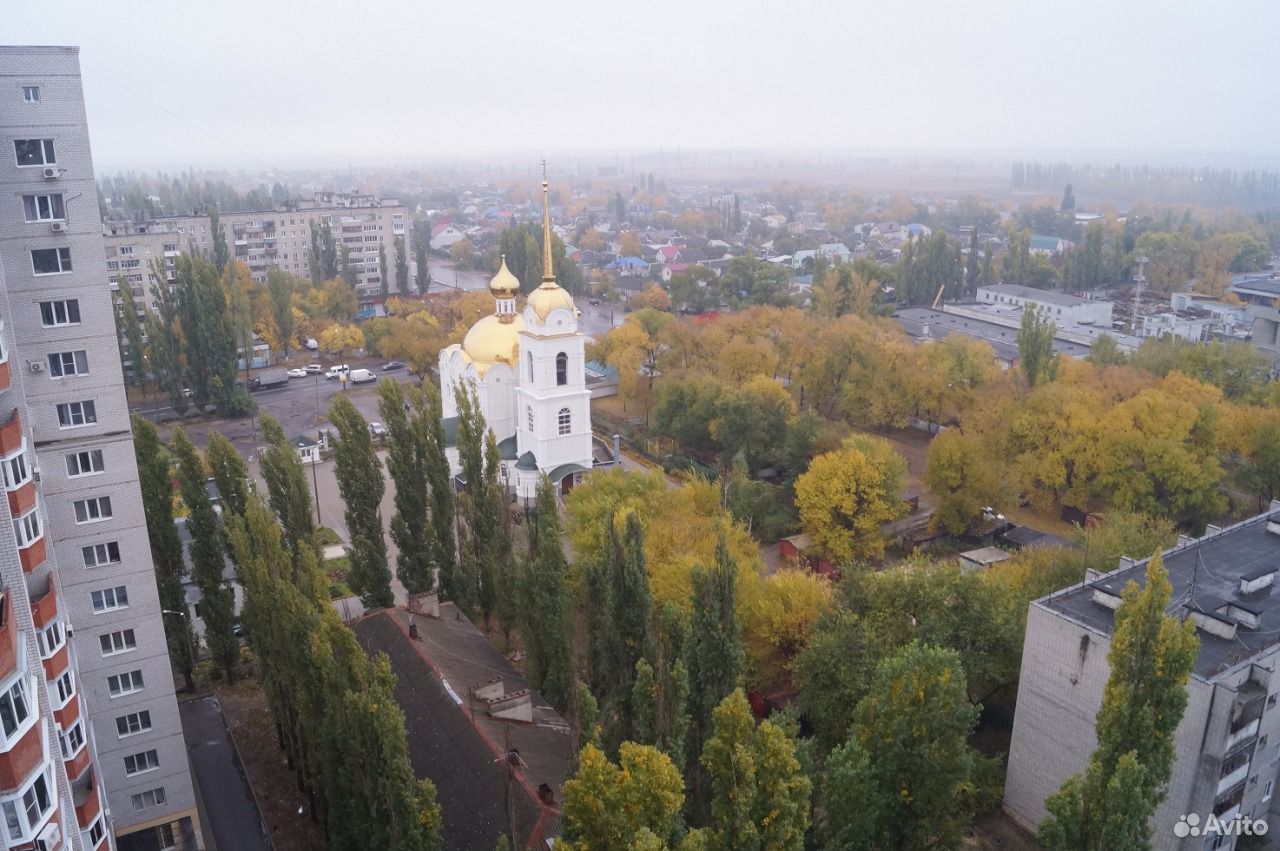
{"points": [[82, 649], [362, 224], [1228, 743]]}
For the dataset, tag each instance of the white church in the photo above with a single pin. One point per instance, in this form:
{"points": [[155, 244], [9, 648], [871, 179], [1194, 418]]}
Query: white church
{"points": [[529, 373]]}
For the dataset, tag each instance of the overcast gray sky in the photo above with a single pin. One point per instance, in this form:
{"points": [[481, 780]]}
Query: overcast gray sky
{"points": [[203, 81]]}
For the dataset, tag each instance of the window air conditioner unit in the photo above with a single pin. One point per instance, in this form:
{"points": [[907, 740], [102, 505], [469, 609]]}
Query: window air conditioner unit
{"points": [[58, 227], [36, 366], [52, 171]]}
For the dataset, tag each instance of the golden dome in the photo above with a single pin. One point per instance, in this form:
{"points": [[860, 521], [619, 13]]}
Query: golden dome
{"points": [[491, 341], [504, 284], [547, 298]]}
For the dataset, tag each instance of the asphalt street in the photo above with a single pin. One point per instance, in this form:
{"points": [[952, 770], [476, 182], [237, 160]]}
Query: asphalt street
{"points": [[232, 814]]}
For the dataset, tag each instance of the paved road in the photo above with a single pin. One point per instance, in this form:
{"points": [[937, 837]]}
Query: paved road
{"points": [[233, 816]]}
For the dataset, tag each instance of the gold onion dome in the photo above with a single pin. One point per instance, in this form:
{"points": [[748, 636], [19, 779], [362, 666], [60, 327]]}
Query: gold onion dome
{"points": [[492, 341], [547, 298], [504, 284]]}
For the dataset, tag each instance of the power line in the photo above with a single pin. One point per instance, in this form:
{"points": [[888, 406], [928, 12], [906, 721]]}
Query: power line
{"points": [[178, 117]]}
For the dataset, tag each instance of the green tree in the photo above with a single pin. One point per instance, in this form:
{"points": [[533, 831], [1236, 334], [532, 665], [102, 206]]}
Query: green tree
{"points": [[164, 334], [548, 619], [209, 333], [406, 461], [907, 761], [1151, 657], [634, 804], [229, 472], [208, 560], [360, 482], [156, 484], [1106, 352], [129, 333], [1261, 471], [479, 568], [421, 244], [280, 291], [1035, 347], [846, 496], [350, 271], [440, 480], [384, 280], [402, 267], [288, 492], [221, 254], [760, 797], [715, 657], [660, 696]]}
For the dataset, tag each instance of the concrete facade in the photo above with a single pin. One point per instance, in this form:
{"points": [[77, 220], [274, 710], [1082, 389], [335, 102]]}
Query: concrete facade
{"points": [[99, 506], [1061, 308], [1228, 742]]}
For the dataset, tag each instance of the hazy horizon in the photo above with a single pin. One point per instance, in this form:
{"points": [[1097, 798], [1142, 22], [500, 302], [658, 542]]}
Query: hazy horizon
{"points": [[259, 86]]}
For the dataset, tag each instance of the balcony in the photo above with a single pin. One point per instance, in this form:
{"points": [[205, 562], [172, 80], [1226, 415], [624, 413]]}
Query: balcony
{"points": [[67, 715], [11, 434], [44, 606], [33, 555], [23, 757], [6, 376], [22, 498], [57, 663], [8, 637], [84, 795]]}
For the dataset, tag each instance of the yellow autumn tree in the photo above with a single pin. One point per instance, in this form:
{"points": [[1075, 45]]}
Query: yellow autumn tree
{"points": [[338, 339], [847, 495]]}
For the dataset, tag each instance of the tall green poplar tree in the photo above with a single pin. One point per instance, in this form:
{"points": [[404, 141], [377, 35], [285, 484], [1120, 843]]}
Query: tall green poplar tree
{"points": [[360, 482]]}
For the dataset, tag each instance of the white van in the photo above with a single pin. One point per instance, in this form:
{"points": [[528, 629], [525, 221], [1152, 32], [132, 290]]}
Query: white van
{"points": [[360, 376]]}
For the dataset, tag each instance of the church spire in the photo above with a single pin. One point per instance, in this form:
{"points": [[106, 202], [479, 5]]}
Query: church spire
{"points": [[548, 272]]}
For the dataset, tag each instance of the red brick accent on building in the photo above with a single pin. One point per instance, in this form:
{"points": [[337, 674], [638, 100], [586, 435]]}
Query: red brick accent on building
{"points": [[57, 663], [22, 758], [45, 609], [11, 433], [32, 556], [21, 500]]}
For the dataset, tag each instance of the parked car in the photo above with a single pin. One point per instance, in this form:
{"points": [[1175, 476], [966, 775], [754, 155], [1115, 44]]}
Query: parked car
{"points": [[378, 430], [298, 372], [594, 302], [392, 365], [361, 376], [314, 368], [338, 370], [311, 344]]}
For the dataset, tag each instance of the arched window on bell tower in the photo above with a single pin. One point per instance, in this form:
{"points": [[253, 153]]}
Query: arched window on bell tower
{"points": [[562, 369], [530, 359], [529, 414], [564, 420]]}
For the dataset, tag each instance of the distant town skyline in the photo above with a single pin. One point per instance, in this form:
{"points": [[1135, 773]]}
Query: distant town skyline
{"points": [[244, 85]]}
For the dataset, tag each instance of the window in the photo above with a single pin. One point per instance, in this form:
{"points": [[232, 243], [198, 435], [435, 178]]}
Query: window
{"points": [[121, 684], [14, 708], [134, 723], [140, 762], [1266, 790], [68, 363], [15, 471], [51, 639], [96, 832], [110, 599], [51, 261], [529, 415], [564, 419], [36, 800], [85, 463], [92, 510], [31, 94], [562, 369], [72, 740], [44, 208], [26, 529], [66, 688], [530, 360], [149, 798], [96, 555], [34, 152], [117, 642], [74, 414]]}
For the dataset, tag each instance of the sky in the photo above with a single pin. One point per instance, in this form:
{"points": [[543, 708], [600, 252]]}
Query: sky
{"points": [[310, 82]]}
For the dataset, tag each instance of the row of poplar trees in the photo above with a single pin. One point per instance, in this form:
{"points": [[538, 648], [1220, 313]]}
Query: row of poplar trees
{"points": [[334, 707]]}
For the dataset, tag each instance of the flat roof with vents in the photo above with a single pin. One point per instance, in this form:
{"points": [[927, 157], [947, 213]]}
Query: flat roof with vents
{"points": [[1224, 581]]}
